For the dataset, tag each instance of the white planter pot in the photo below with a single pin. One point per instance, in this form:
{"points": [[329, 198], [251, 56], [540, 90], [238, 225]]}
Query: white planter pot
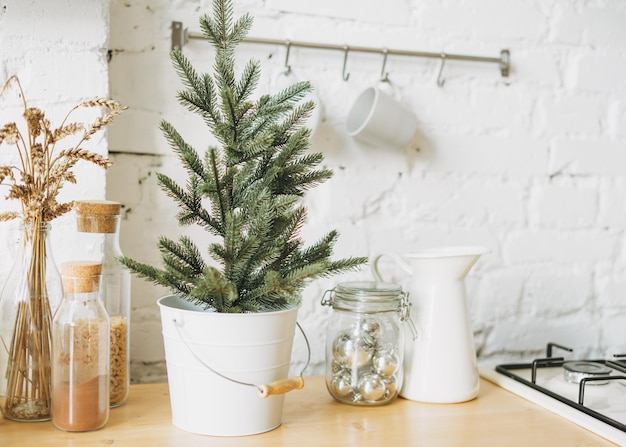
{"points": [[251, 348]]}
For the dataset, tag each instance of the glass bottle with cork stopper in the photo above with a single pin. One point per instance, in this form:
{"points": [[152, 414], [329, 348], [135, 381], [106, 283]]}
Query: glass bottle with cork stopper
{"points": [[80, 351], [98, 224]]}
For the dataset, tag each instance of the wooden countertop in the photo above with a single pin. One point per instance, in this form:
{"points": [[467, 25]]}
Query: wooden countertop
{"points": [[312, 418]]}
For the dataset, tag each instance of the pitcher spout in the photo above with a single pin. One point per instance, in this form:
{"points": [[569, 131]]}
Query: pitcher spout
{"points": [[445, 263]]}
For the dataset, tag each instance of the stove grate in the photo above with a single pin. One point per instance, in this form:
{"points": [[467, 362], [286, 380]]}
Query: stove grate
{"points": [[619, 364]]}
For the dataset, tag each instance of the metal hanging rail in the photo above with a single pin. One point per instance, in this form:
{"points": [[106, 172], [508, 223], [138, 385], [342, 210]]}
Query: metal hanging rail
{"points": [[180, 36]]}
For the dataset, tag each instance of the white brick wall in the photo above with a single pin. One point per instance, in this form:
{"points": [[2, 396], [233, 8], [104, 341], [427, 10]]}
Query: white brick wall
{"points": [[58, 50], [531, 166]]}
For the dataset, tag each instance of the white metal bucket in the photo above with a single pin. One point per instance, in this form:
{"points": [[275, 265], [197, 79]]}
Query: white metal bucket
{"points": [[251, 348]]}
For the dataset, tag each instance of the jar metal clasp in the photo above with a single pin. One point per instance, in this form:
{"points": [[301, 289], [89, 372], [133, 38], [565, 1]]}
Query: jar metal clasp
{"points": [[405, 313], [328, 298]]}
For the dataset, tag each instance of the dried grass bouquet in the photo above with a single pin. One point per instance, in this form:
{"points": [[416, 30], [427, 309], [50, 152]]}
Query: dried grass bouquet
{"points": [[25, 305], [44, 169]]}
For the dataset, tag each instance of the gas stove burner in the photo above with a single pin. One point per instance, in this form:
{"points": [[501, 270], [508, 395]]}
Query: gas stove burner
{"points": [[574, 371], [546, 381]]}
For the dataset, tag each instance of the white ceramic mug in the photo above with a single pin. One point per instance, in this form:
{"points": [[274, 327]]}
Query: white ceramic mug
{"points": [[377, 118]]}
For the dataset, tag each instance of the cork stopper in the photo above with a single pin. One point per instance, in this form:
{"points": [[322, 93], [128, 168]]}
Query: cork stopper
{"points": [[97, 208], [78, 276], [97, 216]]}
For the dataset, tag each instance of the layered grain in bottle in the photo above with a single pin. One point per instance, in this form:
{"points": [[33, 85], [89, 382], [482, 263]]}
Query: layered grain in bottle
{"points": [[80, 351], [98, 225]]}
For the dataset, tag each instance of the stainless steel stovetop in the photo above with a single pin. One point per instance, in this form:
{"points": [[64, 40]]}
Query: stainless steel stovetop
{"points": [[591, 393]]}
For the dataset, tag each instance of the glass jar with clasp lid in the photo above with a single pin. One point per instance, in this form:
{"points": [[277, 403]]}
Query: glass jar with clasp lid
{"points": [[365, 342]]}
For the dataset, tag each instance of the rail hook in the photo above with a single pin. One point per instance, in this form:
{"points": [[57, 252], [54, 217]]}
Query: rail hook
{"points": [[345, 75], [384, 75], [287, 66], [440, 79]]}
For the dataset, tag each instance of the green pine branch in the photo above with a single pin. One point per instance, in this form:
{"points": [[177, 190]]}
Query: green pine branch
{"points": [[186, 153]]}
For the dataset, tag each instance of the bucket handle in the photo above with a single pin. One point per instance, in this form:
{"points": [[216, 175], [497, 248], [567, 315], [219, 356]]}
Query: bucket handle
{"points": [[280, 386]]}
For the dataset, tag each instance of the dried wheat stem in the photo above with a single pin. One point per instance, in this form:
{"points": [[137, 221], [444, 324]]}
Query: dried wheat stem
{"points": [[15, 79], [29, 357]]}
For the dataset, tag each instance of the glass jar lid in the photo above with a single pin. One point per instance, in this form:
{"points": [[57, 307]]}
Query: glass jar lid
{"points": [[368, 290], [365, 296]]}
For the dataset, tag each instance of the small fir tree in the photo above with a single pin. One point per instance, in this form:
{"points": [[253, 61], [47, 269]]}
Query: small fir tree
{"points": [[254, 181]]}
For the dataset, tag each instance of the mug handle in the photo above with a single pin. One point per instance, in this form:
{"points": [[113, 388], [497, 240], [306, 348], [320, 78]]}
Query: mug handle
{"points": [[396, 258]]}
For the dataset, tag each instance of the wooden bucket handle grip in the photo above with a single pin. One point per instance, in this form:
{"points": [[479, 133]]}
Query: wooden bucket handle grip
{"points": [[282, 386]]}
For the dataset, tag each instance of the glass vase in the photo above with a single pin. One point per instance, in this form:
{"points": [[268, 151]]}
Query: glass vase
{"points": [[30, 295]]}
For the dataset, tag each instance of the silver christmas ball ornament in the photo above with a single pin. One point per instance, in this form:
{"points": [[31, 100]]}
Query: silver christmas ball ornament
{"points": [[363, 355], [336, 367], [352, 351], [386, 361], [343, 348], [391, 387], [341, 384], [371, 327], [371, 387]]}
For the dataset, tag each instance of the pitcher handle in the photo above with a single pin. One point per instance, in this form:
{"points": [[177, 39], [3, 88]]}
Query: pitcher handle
{"points": [[396, 258]]}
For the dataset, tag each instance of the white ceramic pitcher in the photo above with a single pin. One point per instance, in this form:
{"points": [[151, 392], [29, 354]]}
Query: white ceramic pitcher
{"points": [[440, 364]]}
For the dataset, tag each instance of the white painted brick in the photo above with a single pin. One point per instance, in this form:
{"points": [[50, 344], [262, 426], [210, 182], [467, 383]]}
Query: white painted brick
{"points": [[134, 26], [485, 19], [425, 198], [394, 11], [526, 335], [149, 372], [61, 26], [554, 292], [482, 154], [558, 246], [128, 74], [592, 25], [601, 72], [473, 112], [613, 335], [563, 206], [500, 295], [53, 77], [140, 351], [589, 156], [616, 121], [574, 115], [349, 194], [612, 206], [534, 67], [611, 289], [461, 200]]}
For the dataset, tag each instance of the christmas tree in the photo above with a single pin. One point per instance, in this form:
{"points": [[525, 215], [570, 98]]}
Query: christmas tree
{"points": [[253, 181]]}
